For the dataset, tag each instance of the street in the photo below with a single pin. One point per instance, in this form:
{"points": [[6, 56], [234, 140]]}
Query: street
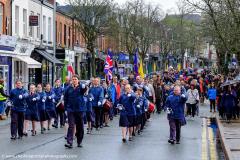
{"points": [[106, 144]]}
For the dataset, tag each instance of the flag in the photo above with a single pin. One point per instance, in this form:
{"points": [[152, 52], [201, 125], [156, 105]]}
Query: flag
{"points": [[108, 67], [154, 67], [70, 69], [140, 69], [136, 63]]}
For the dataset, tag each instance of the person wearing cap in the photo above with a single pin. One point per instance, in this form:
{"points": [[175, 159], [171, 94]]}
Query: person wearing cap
{"points": [[18, 97], [75, 106], [3, 98], [175, 108]]}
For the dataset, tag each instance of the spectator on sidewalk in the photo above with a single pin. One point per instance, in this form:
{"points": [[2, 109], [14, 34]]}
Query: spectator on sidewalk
{"points": [[3, 98]]}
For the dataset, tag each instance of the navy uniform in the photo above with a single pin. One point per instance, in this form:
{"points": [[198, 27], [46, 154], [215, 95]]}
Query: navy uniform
{"points": [[18, 97], [32, 109], [58, 91], [127, 116], [49, 105], [41, 106], [97, 92], [75, 106]]}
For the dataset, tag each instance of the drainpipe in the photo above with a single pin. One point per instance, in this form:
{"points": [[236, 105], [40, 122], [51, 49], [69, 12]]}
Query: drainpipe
{"points": [[11, 19]]}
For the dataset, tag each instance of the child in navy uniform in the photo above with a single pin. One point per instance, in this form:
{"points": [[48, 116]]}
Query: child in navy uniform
{"points": [[127, 116], [32, 110], [49, 104], [89, 113], [139, 103], [41, 107]]}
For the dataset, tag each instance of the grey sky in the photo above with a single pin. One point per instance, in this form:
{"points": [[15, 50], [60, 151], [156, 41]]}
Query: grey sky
{"points": [[168, 6]]}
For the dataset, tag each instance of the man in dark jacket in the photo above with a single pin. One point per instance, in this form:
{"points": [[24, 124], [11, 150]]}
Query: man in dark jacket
{"points": [[175, 109], [75, 106], [18, 97]]}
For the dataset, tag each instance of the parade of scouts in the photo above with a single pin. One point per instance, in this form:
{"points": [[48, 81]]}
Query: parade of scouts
{"points": [[120, 79]]}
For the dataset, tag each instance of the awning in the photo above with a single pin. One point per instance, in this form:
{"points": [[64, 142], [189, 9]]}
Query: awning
{"points": [[49, 57], [31, 63]]}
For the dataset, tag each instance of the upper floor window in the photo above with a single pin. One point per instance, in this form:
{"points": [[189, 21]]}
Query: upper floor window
{"points": [[49, 29], [17, 20], [38, 27], [31, 28], [24, 22], [1, 18], [44, 28]]}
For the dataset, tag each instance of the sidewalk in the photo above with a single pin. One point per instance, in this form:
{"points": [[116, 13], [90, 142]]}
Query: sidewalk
{"points": [[5, 122], [230, 138]]}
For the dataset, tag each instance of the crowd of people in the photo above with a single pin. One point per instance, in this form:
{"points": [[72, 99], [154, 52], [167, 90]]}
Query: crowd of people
{"points": [[95, 103]]}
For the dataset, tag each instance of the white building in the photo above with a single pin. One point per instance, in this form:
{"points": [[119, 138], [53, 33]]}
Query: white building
{"points": [[21, 61]]}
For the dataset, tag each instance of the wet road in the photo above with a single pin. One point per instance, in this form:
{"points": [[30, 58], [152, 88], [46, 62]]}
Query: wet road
{"points": [[106, 144]]}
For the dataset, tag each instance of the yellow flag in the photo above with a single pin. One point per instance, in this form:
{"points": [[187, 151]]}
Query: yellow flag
{"points": [[140, 69], [154, 67], [179, 66]]}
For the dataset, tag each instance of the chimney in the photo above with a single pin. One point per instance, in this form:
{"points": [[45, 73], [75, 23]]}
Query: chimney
{"points": [[51, 1]]}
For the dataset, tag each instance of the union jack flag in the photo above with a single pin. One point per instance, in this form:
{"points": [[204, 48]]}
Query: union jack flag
{"points": [[108, 68]]}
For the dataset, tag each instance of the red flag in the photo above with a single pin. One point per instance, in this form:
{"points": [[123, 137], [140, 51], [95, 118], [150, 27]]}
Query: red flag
{"points": [[70, 69]]}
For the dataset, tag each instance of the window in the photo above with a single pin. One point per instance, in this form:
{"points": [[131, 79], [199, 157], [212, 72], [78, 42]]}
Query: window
{"points": [[31, 29], [44, 28], [49, 29], [38, 27], [25, 22], [60, 33], [1, 18], [69, 36], [17, 20], [65, 34]]}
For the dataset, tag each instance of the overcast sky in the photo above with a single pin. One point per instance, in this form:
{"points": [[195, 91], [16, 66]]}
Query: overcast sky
{"points": [[168, 6]]}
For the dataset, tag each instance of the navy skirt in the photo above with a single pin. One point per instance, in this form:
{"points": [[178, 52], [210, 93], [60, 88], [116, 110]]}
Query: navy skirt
{"points": [[42, 115], [89, 116], [51, 114], [138, 120], [32, 115], [123, 121], [131, 121]]}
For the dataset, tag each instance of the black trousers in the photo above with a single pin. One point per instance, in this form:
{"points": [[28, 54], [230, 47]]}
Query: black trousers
{"points": [[75, 118], [175, 129], [144, 118], [17, 119], [98, 116], [59, 114], [191, 109], [212, 104], [158, 105]]}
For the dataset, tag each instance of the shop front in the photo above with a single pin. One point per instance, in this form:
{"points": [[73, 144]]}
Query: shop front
{"points": [[51, 66]]}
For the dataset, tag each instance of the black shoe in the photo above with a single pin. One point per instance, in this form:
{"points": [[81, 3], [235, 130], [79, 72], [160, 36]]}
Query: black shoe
{"points": [[178, 142], [19, 137], [34, 133], [68, 145], [106, 125], [101, 126], [130, 139], [79, 145], [55, 126], [65, 137], [25, 134], [171, 141], [97, 129], [124, 140], [139, 132], [13, 137], [133, 134], [48, 129], [44, 129]]}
